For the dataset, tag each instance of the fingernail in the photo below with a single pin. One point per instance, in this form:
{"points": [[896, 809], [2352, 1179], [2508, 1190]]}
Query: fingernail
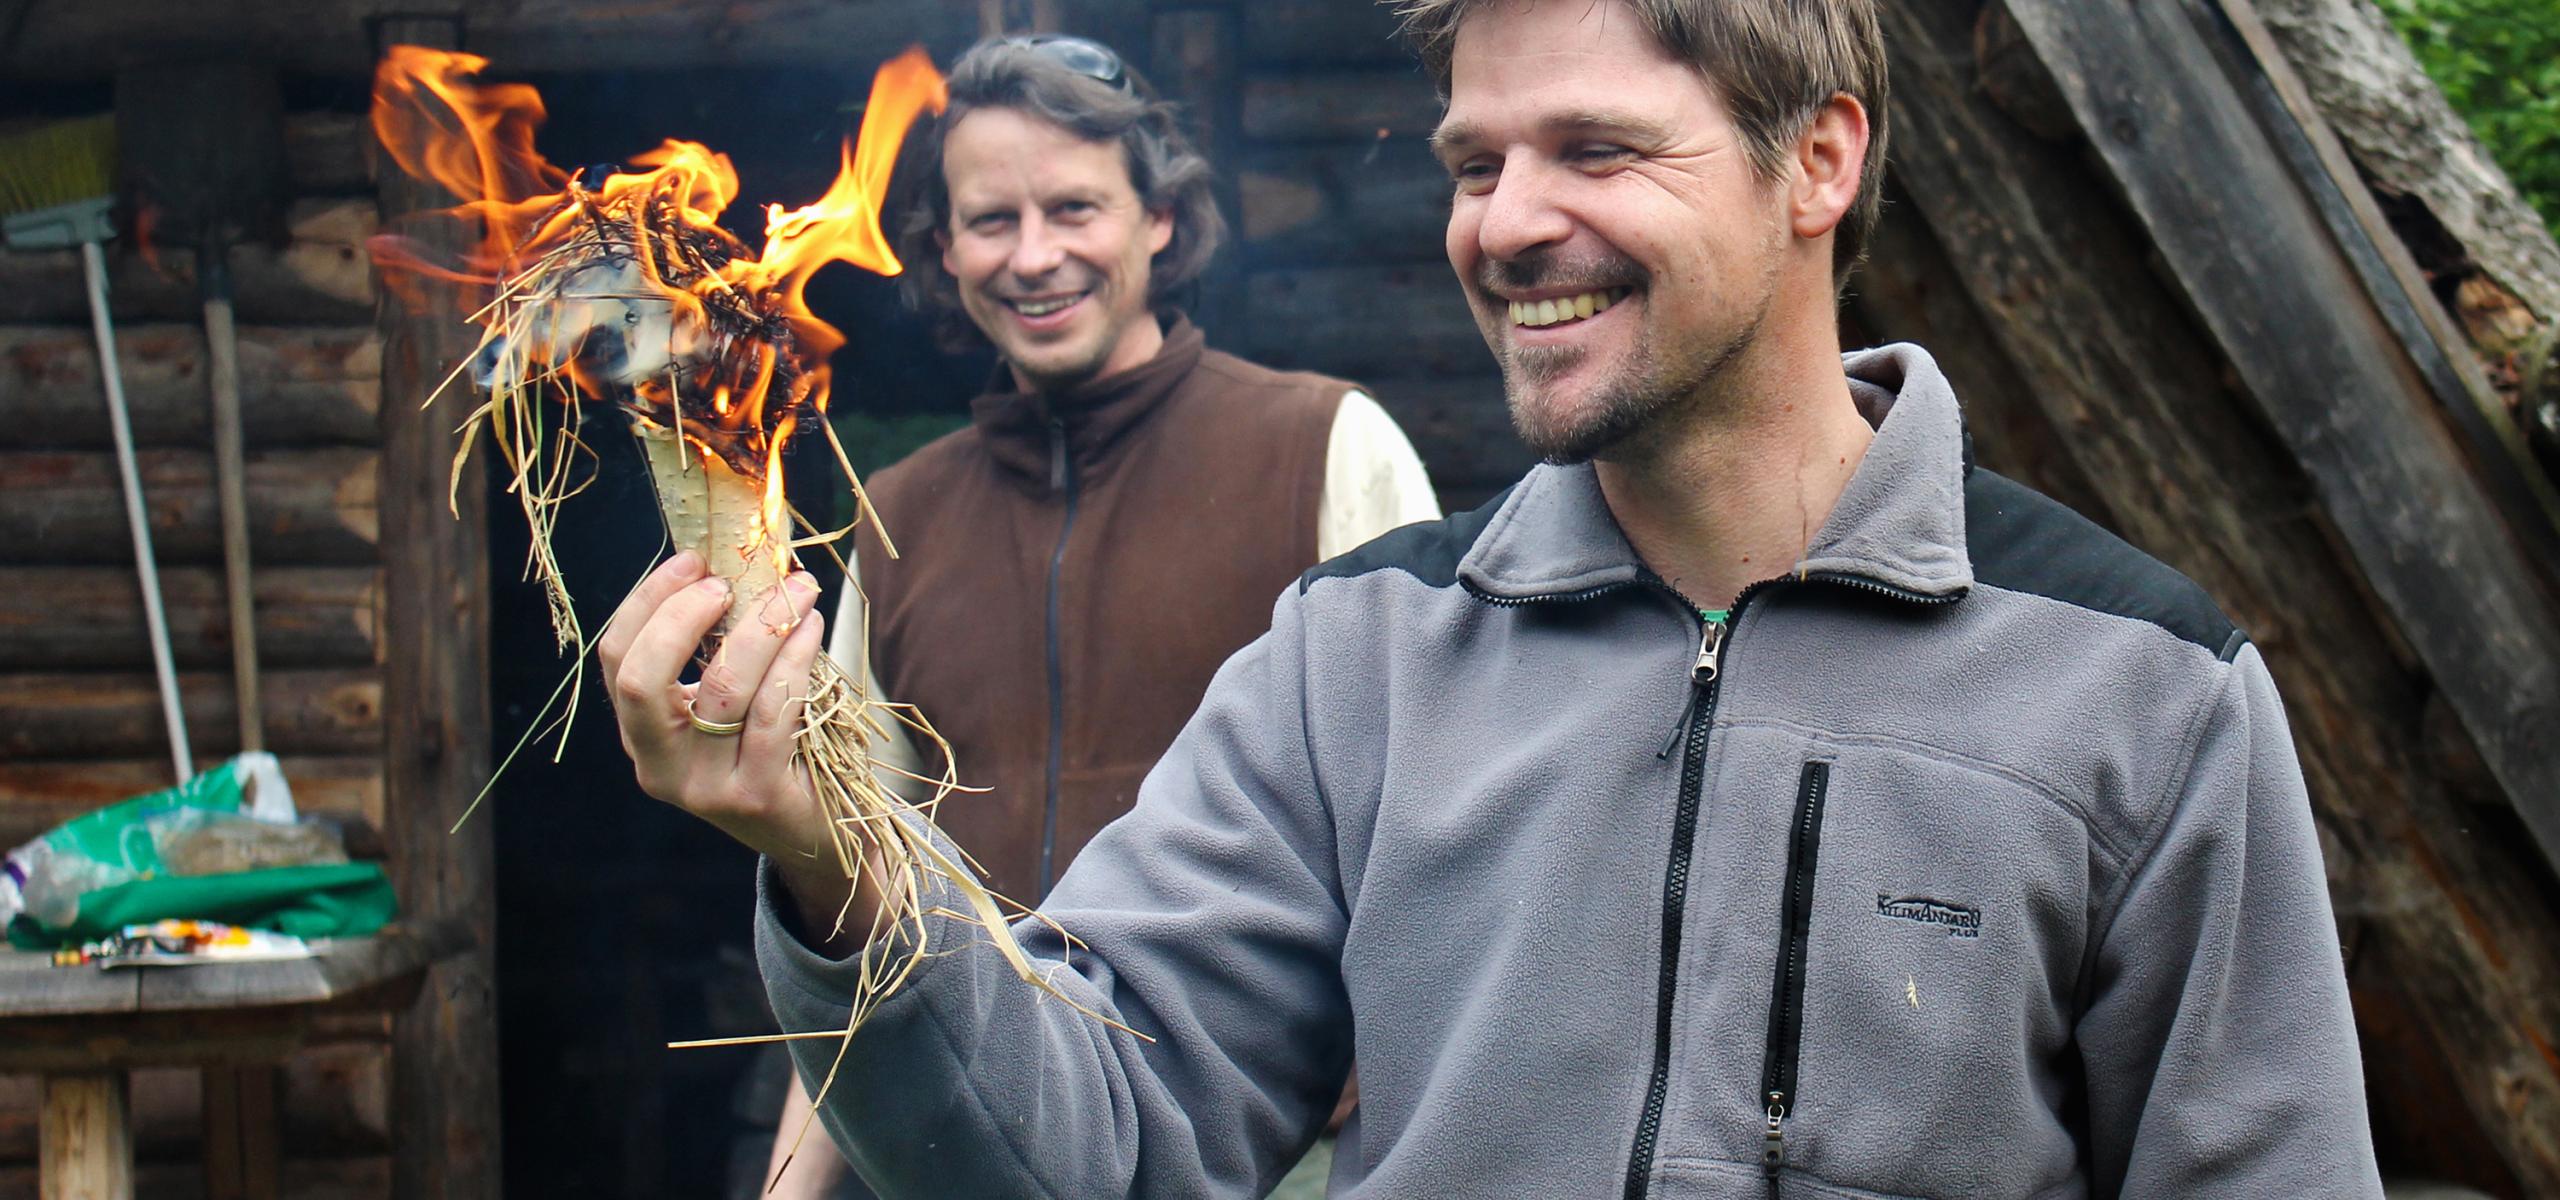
{"points": [[803, 584], [714, 586], [686, 562]]}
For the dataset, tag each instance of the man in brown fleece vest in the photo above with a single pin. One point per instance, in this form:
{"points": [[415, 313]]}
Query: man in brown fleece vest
{"points": [[1125, 502]]}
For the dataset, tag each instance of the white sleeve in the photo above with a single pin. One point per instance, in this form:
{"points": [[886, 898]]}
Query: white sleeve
{"points": [[1373, 481], [849, 643]]}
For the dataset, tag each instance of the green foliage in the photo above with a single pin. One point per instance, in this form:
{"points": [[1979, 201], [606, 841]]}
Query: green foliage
{"points": [[2499, 62], [875, 442]]}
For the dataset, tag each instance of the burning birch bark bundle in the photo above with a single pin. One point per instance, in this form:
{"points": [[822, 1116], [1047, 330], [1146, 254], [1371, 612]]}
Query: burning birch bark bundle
{"points": [[622, 291]]}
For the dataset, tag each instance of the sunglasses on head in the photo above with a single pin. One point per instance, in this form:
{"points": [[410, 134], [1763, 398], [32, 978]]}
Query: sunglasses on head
{"points": [[1084, 56]]}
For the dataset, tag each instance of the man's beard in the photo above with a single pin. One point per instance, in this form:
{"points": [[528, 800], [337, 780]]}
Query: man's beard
{"points": [[1646, 385]]}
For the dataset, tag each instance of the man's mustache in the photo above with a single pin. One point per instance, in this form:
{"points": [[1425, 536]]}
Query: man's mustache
{"points": [[1543, 271]]}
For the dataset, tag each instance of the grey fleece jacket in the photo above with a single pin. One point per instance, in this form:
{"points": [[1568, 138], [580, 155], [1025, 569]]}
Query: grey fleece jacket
{"points": [[1977, 865]]}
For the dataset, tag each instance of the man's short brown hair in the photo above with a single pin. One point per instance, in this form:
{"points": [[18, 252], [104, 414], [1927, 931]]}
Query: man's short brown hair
{"points": [[1774, 62]]}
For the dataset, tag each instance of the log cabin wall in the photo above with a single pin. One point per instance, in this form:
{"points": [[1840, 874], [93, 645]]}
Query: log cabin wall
{"points": [[80, 721]]}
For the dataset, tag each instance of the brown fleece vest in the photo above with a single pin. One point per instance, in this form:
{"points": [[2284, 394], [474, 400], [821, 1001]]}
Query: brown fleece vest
{"points": [[1170, 504]]}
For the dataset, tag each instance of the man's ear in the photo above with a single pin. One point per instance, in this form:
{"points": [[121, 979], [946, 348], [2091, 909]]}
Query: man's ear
{"points": [[1159, 230], [942, 241], [1830, 161]]}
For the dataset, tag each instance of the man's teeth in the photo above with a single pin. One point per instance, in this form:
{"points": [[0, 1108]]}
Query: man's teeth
{"points": [[1534, 313], [1042, 308]]}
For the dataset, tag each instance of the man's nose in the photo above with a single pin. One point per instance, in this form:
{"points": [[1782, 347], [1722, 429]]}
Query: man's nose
{"points": [[1038, 250], [1521, 215]]}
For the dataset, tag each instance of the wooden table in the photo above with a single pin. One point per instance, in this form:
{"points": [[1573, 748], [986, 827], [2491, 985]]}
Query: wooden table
{"points": [[83, 1028]]}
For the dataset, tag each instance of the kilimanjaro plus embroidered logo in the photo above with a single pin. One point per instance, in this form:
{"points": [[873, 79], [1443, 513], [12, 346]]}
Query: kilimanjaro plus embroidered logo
{"points": [[1960, 920]]}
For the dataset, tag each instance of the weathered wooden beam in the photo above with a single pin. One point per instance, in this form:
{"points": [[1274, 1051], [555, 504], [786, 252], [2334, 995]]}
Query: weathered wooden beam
{"points": [[314, 507], [37, 795], [59, 715], [328, 37], [2437, 889], [364, 1178], [1378, 200], [1322, 34], [1461, 428], [1339, 105], [305, 386], [444, 1084], [90, 618], [2251, 253], [320, 277], [1196, 59], [1396, 320], [328, 153]]}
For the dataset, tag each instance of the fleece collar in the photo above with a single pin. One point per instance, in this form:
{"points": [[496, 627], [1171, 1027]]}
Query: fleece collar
{"points": [[1899, 522]]}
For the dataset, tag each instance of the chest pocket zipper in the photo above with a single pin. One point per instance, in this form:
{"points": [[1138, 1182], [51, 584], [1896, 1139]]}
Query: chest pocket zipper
{"points": [[1786, 997]]}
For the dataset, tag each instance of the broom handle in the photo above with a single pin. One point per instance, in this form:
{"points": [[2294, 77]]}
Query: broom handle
{"points": [[228, 469], [137, 518]]}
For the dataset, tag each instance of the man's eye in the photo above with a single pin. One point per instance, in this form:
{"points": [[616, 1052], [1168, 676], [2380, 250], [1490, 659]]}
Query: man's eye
{"points": [[1600, 155], [1474, 175], [1075, 210], [989, 222]]}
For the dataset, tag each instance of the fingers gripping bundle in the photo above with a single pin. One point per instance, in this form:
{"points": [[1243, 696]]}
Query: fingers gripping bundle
{"points": [[622, 292]]}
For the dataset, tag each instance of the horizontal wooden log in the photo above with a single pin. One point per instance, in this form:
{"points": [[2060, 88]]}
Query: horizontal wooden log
{"points": [[1339, 105], [36, 796], [306, 507], [299, 386], [328, 153], [1361, 321], [330, 37], [63, 716], [1460, 427], [90, 618], [334, 1102], [1321, 33], [366, 1178], [321, 276], [1382, 200]]}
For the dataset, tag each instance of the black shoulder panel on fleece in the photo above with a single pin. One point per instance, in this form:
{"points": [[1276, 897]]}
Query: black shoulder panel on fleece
{"points": [[1427, 550], [2022, 541]]}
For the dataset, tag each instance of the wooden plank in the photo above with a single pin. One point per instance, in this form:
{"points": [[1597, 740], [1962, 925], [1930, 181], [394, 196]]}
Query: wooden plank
{"points": [[36, 796], [88, 1151], [328, 154], [306, 507], [335, 1100], [240, 1132], [1460, 427], [1378, 200], [2430, 875], [363, 1178], [1196, 60], [319, 277], [1350, 105], [59, 716], [329, 37], [300, 386], [1358, 321], [444, 1082], [90, 618], [2324, 366], [1322, 34]]}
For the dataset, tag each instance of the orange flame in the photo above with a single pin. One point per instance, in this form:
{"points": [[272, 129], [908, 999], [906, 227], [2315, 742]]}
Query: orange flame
{"points": [[745, 330]]}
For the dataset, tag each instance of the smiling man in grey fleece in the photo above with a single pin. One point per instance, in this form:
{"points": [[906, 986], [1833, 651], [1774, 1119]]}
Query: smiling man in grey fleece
{"points": [[1756, 800]]}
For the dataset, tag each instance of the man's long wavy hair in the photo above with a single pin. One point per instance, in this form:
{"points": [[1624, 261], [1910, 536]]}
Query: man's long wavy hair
{"points": [[1170, 175], [1774, 62]]}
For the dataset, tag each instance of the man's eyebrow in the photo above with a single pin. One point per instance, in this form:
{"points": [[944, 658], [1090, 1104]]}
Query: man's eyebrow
{"points": [[1636, 127]]}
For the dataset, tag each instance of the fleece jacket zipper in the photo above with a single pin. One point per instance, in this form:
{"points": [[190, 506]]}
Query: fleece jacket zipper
{"points": [[1695, 720], [1062, 480], [1786, 994]]}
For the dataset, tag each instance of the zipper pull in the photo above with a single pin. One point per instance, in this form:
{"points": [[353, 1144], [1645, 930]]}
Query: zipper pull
{"points": [[1773, 1142], [1688, 713], [1057, 455], [1710, 646]]}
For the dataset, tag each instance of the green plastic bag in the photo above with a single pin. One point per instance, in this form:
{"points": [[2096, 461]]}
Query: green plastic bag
{"points": [[330, 900]]}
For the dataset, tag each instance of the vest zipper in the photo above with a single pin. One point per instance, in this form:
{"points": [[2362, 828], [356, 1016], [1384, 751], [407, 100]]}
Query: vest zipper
{"points": [[1786, 997], [1062, 481], [1697, 717]]}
